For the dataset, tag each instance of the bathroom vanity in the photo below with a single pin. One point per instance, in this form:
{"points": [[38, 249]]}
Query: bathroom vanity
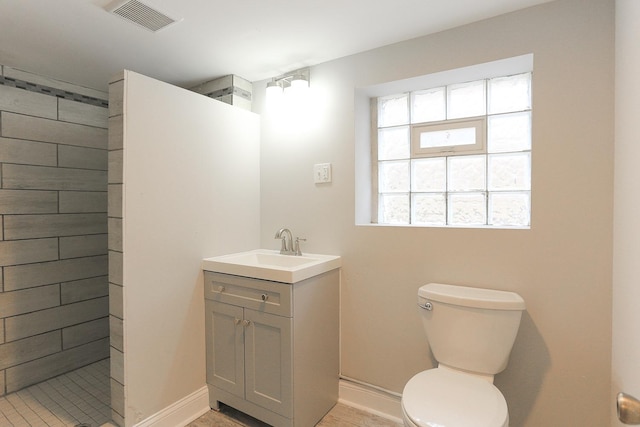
{"points": [[272, 346]]}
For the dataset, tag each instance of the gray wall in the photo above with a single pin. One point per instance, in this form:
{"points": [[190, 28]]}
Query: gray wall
{"points": [[194, 163], [559, 372], [53, 241]]}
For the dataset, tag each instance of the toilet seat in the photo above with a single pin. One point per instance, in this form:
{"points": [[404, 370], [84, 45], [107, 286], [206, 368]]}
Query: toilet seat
{"points": [[445, 398]]}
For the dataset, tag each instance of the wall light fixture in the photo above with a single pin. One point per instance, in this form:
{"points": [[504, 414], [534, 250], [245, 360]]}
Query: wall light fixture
{"points": [[292, 85]]}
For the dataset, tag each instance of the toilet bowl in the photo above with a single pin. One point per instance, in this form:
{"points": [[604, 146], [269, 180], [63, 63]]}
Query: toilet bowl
{"points": [[444, 398], [470, 332]]}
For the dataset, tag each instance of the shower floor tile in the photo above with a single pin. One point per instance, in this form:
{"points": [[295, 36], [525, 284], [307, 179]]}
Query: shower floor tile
{"points": [[78, 397]]}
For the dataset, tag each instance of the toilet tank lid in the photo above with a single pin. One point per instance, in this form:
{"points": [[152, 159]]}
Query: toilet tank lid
{"points": [[472, 297]]}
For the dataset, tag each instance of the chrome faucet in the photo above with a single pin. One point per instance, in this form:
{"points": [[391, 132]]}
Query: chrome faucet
{"points": [[286, 248]]}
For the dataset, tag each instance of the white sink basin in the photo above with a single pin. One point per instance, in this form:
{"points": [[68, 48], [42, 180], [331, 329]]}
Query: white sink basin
{"points": [[270, 265]]}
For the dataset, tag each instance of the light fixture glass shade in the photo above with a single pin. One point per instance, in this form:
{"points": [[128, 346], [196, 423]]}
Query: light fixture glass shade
{"points": [[273, 89], [274, 92], [297, 89], [288, 91], [299, 82]]}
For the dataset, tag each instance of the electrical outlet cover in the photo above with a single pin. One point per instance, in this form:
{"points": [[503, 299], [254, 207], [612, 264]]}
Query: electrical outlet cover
{"points": [[322, 173]]}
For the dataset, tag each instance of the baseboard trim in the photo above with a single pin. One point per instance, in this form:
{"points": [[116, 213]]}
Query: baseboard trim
{"points": [[189, 408], [181, 412], [372, 400]]}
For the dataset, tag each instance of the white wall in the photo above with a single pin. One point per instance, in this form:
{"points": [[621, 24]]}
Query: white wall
{"points": [[626, 292], [191, 190], [559, 374]]}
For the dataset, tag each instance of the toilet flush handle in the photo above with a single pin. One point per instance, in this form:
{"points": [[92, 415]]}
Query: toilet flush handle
{"points": [[427, 305]]}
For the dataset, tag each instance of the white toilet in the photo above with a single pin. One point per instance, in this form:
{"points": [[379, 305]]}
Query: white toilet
{"points": [[471, 332]]}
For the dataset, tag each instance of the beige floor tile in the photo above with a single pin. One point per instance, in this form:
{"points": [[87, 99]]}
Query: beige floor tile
{"points": [[51, 403], [343, 415], [340, 416]]}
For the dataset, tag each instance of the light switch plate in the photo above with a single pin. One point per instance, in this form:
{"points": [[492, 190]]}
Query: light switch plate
{"points": [[322, 173]]}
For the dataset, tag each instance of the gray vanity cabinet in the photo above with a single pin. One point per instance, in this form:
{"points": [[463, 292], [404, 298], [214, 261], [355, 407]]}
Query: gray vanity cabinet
{"points": [[272, 348], [250, 355]]}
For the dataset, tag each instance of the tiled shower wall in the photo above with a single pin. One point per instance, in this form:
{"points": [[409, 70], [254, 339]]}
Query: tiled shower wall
{"points": [[116, 283], [53, 228]]}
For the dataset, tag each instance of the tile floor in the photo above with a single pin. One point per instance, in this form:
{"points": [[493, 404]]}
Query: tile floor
{"points": [[81, 397], [340, 416]]}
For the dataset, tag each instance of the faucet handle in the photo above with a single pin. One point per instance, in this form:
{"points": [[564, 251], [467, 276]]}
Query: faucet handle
{"points": [[297, 250]]}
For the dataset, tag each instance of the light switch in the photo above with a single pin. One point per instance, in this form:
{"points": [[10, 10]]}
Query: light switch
{"points": [[322, 173]]}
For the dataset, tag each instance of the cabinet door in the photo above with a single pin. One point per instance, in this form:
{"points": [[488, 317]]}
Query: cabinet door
{"points": [[225, 347], [269, 369]]}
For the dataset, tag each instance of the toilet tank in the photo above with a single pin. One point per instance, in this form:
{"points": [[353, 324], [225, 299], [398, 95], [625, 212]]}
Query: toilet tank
{"points": [[468, 328]]}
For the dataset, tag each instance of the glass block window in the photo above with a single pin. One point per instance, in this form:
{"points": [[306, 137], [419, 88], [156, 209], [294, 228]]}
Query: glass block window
{"points": [[457, 155]]}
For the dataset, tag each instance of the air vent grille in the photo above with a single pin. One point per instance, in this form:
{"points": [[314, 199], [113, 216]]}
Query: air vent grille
{"points": [[142, 14]]}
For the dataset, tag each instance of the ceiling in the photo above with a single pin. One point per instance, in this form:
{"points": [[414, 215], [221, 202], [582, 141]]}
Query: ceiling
{"points": [[78, 41]]}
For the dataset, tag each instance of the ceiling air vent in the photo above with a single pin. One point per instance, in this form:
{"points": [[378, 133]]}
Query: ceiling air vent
{"points": [[141, 14]]}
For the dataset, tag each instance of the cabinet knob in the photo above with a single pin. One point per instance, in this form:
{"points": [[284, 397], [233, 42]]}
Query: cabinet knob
{"points": [[264, 297], [237, 321], [246, 322], [220, 288]]}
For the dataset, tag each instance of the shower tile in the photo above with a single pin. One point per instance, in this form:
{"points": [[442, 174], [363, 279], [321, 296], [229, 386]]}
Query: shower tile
{"points": [[28, 152], [115, 234], [25, 325], [38, 370], [116, 96], [53, 156], [81, 290], [115, 267], [116, 133], [117, 365], [117, 397], [80, 396], [24, 177], [30, 275], [82, 158], [53, 83], [29, 300], [81, 113], [83, 201], [22, 408], [115, 301], [38, 129], [28, 202], [24, 102], [117, 419], [116, 333], [115, 201], [84, 333], [115, 167], [27, 251], [56, 225], [87, 245]]}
